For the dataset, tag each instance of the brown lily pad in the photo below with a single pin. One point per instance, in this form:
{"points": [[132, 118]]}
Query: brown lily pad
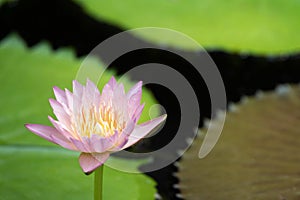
{"points": [[257, 155]]}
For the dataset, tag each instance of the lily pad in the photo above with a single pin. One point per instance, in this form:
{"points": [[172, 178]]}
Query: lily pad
{"points": [[257, 155], [32, 168], [258, 27], [31, 172]]}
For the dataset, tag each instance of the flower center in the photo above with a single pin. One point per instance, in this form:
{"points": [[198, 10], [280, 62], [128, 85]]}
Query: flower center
{"points": [[108, 121], [103, 121]]}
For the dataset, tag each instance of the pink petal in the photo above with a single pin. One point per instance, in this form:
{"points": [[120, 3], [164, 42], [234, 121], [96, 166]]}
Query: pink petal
{"points": [[41, 130], [120, 91], [77, 88], [60, 112], [112, 82], [107, 94], [119, 102], [89, 162], [60, 95], [60, 127], [123, 137], [57, 139], [96, 143], [137, 113], [69, 97], [80, 145], [92, 93], [108, 89], [116, 99], [134, 98], [62, 99], [136, 90], [77, 97], [50, 134], [116, 88], [135, 93], [144, 129], [101, 144]]}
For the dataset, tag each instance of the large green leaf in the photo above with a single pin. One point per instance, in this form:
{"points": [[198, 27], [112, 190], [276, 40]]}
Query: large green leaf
{"points": [[53, 173], [32, 168], [255, 26]]}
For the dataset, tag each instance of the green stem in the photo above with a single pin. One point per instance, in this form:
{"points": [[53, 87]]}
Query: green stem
{"points": [[98, 183]]}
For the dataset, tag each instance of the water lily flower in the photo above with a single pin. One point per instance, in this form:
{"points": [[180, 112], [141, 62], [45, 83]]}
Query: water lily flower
{"points": [[96, 124]]}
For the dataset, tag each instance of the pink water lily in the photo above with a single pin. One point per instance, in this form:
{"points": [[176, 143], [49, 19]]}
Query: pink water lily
{"points": [[96, 124]]}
